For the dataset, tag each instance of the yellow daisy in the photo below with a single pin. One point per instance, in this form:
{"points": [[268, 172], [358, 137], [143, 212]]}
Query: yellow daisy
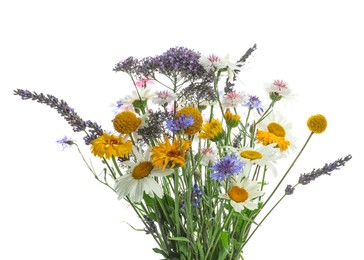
{"points": [[109, 145], [171, 155], [212, 130]]}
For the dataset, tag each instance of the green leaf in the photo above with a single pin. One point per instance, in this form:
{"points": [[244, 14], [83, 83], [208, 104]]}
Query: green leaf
{"points": [[224, 238], [159, 251], [184, 239]]}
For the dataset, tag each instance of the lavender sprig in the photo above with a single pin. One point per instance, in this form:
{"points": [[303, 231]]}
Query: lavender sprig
{"points": [[306, 178], [68, 113]]}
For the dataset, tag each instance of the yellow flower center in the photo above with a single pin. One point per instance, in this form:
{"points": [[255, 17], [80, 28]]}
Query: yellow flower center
{"points": [[142, 170], [251, 155], [197, 117], [126, 122], [276, 129], [317, 124], [238, 194]]}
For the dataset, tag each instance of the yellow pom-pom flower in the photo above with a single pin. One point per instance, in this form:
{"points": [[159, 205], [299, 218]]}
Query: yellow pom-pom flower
{"points": [[110, 145], [212, 130], [126, 122], [317, 123], [197, 117]]}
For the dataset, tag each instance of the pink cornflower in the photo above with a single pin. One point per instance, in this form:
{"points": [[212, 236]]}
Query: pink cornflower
{"points": [[164, 97], [233, 99]]}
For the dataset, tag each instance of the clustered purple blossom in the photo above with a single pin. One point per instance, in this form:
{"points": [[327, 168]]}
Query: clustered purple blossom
{"points": [[306, 178], [178, 61], [254, 102], [227, 166], [180, 123], [68, 113]]}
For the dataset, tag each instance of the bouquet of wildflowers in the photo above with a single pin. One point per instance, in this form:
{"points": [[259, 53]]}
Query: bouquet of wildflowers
{"points": [[191, 153]]}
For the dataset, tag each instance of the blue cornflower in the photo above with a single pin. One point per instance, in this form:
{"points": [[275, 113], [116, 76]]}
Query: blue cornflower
{"points": [[254, 102], [180, 123], [118, 106], [226, 167], [65, 142]]}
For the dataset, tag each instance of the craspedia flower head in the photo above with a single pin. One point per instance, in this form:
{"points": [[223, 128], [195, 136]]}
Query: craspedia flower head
{"points": [[126, 122], [197, 117], [317, 123]]}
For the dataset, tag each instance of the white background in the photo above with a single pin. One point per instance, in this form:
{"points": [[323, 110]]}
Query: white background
{"points": [[52, 208]]}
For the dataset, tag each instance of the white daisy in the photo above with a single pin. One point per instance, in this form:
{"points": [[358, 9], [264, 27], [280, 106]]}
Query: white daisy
{"points": [[164, 97], [140, 178], [143, 95], [275, 129], [241, 193], [262, 156]]}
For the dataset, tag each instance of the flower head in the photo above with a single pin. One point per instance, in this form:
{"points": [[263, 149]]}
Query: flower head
{"points": [[180, 123], [167, 154], [197, 119], [140, 178], [317, 123], [241, 194], [262, 156], [232, 120], [126, 122], [138, 99], [212, 130], [65, 142], [209, 155], [278, 89], [254, 102], [274, 129], [233, 99], [110, 145], [227, 166], [164, 97], [142, 83]]}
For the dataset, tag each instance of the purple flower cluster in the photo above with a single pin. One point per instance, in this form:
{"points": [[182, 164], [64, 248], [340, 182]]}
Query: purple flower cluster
{"points": [[180, 123], [227, 166], [175, 62], [196, 195]]}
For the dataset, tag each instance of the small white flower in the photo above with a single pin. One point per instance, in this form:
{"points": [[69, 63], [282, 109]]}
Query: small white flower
{"points": [[140, 178], [241, 192], [279, 89], [233, 99], [164, 97], [209, 155]]}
